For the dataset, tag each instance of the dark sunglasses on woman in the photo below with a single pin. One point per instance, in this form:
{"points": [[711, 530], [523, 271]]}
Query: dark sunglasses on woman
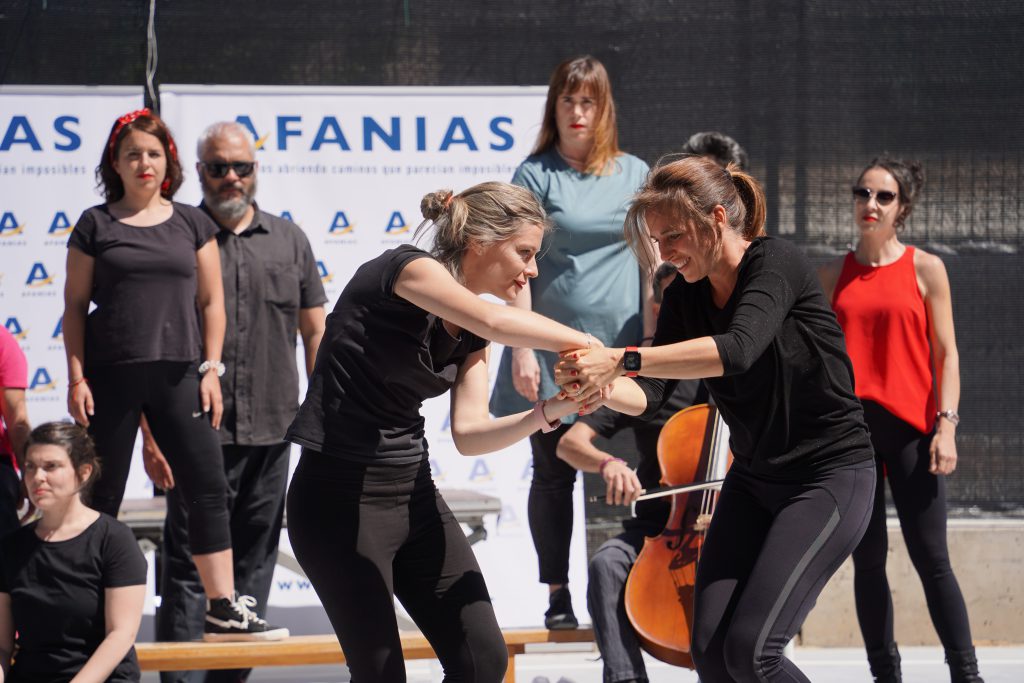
{"points": [[883, 197], [219, 169]]}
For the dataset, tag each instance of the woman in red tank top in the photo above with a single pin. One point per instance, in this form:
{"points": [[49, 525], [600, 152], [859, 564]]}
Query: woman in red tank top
{"points": [[894, 304]]}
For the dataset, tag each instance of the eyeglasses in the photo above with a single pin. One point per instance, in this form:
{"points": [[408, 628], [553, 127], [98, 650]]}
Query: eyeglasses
{"points": [[883, 197], [219, 169]]}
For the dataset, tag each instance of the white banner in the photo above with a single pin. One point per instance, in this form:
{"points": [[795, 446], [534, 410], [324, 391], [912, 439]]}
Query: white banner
{"points": [[350, 166]]}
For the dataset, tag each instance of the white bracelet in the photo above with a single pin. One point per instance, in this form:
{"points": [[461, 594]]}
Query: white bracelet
{"points": [[950, 415], [545, 426], [208, 365]]}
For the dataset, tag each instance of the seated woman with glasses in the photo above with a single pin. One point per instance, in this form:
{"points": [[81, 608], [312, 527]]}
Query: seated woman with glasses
{"points": [[889, 295], [72, 583]]}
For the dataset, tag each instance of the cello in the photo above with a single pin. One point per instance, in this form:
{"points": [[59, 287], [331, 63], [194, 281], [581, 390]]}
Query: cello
{"points": [[693, 447]]}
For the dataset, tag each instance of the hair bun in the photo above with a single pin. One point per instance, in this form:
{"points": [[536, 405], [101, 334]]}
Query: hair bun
{"points": [[917, 173], [434, 204]]}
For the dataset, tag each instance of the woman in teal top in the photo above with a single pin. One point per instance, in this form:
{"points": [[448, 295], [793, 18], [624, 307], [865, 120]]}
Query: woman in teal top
{"points": [[590, 281]]}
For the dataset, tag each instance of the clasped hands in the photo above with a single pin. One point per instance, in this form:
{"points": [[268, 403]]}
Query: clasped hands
{"points": [[586, 375]]}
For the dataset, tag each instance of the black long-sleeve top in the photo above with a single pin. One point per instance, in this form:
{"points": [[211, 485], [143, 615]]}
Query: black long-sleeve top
{"points": [[787, 390]]}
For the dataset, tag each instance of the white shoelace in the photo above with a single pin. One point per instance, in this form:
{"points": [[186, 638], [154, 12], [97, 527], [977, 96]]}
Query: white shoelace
{"points": [[244, 605]]}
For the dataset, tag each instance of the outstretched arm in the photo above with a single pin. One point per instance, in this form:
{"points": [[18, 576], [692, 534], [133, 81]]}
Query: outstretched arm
{"points": [[475, 432], [763, 304], [425, 283]]}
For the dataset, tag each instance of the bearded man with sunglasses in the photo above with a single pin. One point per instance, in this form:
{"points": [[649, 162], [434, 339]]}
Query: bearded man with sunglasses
{"points": [[271, 289]]}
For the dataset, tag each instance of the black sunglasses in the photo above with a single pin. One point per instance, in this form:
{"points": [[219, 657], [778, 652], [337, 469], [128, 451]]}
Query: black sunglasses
{"points": [[883, 197], [219, 169]]}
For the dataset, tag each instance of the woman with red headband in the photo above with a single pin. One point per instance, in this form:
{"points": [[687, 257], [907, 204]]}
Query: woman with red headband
{"points": [[149, 264]]}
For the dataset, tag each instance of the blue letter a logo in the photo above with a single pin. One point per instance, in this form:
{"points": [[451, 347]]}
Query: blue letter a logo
{"points": [[397, 224]]}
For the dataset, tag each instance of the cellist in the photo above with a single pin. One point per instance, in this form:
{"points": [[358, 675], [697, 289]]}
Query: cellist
{"points": [[608, 568], [749, 316]]}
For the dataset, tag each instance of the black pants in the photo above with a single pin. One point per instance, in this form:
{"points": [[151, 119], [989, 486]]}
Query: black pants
{"points": [[920, 499], [769, 551], [257, 477], [168, 393], [549, 506], [366, 533]]}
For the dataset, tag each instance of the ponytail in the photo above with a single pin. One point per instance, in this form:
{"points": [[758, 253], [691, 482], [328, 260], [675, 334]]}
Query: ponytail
{"points": [[754, 203]]}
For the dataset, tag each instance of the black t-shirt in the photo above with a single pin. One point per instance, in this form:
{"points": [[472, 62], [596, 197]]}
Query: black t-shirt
{"points": [[787, 392], [143, 285], [651, 515], [380, 358], [57, 597]]}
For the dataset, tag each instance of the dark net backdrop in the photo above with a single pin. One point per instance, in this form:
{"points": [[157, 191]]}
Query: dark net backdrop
{"points": [[813, 90]]}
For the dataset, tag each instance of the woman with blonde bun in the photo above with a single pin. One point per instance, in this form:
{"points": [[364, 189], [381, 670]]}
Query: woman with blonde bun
{"points": [[364, 517]]}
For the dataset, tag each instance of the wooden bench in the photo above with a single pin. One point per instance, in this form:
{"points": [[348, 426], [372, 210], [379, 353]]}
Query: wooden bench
{"points": [[303, 650]]}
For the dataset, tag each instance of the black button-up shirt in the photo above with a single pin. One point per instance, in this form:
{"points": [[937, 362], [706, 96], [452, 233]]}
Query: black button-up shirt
{"points": [[269, 274]]}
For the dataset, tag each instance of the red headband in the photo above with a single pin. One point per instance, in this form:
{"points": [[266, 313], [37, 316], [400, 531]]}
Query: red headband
{"points": [[129, 118], [121, 123]]}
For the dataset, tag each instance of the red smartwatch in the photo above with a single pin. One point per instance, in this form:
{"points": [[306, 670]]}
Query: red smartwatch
{"points": [[631, 361]]}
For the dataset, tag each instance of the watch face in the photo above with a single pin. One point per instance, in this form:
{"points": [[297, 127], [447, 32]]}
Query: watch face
{"points": [[631, 361]]}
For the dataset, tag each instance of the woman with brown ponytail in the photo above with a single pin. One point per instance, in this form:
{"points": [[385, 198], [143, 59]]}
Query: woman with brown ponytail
{"points": [[750, 318], [364, 517]]}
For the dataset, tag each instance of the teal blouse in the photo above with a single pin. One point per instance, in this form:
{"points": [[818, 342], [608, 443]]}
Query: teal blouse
{"points": [[589, 279]]}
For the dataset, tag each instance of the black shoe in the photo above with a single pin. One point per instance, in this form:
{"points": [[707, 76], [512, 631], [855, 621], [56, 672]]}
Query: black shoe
{"points": [[885, 664], [963, 666], [560, 616], [230, 620]]}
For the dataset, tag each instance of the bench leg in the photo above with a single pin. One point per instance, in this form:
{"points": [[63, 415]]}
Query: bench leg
{"points": [[510, 673]]}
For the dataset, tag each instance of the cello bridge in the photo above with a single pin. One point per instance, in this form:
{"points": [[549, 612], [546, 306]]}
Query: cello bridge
{"points": [[702, 523]]}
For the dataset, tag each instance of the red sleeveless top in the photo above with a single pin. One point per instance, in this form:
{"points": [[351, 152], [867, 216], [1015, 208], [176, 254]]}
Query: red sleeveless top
{"points": [[883, 315]]}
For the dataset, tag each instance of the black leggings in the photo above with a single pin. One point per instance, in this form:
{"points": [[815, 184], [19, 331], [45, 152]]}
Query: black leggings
{"points": [[168, 393], [920, 499], [769, 551], [365, 533], [549, 506]]}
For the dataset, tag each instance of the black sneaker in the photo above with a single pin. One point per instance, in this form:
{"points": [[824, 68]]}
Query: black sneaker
{"points": [[230, 620], [560, 616]]}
